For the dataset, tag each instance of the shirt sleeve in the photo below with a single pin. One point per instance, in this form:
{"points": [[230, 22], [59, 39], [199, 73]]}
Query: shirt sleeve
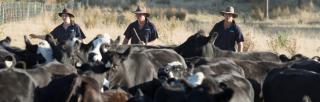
{"points": [[154, 33], [239, 35], [214, 29], [128, 32], [55, 32], [80, 33]]}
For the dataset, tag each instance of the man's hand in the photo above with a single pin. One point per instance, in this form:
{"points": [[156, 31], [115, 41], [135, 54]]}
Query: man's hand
{"points": [[33, 36], [142, 43]]}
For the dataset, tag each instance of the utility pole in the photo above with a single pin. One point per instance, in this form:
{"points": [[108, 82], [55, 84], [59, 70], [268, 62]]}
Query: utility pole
{"points": [[267, 9]]}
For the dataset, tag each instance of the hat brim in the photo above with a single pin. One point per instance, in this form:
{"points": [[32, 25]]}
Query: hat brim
{"points": [[145, 13], [70, 15], [233, 14]]}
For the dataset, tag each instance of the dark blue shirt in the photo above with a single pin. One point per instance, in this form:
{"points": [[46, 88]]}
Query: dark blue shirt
{"points": [[62, 35], [227, 38], [148, 32]]}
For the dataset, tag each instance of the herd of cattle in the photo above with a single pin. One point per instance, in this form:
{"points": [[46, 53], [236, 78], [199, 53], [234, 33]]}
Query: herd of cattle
{"points": [[196, 71]]}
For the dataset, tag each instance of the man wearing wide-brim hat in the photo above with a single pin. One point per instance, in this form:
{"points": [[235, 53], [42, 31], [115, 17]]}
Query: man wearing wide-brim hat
{"points": [[229, 33], [65, 31], [142, 31]]}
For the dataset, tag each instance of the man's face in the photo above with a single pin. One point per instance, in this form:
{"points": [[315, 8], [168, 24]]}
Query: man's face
{"points": [[65, 17], [140, 17], [228, 17]]}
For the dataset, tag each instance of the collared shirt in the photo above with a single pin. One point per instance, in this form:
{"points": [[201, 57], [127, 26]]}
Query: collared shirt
{"points": [[62, 35], [148, 32], [227, 38]]}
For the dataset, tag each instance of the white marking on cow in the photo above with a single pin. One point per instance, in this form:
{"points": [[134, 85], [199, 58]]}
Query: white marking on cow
{"points": [[174, 63], [171, 75], [45, 50], [8, 63], [196, 79], [106, 83], [105, 38], [108, 65], [78, 64]]}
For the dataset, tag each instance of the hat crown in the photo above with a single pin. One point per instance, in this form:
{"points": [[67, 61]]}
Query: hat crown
{"points": [[230, 9], [65, 10], [141, 9]]}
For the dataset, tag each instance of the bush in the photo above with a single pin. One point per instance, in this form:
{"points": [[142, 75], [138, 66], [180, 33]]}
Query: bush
{"points": [[178, 14], [248, 43], [283, 41]]}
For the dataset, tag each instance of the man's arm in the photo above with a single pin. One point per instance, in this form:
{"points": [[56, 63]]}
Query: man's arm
{"points": [[240, 46], [125, 41], [42, 37]]}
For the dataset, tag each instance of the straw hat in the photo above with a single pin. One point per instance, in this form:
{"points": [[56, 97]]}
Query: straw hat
{"points": [[141, 10], [66, 11], [229, 10]]}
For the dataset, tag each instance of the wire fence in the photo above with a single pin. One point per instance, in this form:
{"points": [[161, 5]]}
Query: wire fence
{"points": [[16, 11]]}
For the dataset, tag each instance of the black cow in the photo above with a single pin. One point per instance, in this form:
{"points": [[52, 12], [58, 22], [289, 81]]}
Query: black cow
{"points": [[243, 91], [132, 66], [300, 61], [75, 51], [16, 86], [202, 46], [291, 85], [182, 91], [215, 66], [32, 54], [296, 57], [254, 71]]}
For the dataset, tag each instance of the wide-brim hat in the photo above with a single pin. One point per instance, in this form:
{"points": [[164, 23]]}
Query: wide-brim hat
{"points": [[141, 10], [66, 11], [229, 10]]}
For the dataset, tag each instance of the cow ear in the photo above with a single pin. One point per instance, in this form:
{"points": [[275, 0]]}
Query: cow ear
{"points": [[21, 64], [77, 44], [26, 40], [213, 37], [8, 39], [116, 42]]}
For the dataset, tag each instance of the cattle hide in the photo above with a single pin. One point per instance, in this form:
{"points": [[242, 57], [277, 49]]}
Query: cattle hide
{"points": [[216, 66], [134, 66], [291, 85], [202, 46], [243, 91], [16, 86]]}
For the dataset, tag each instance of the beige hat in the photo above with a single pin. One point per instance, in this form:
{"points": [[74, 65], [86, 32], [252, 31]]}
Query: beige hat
{"points": [[229, 10], [141, 10]]}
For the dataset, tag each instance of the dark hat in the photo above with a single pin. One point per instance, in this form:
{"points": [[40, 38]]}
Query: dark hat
{"points": [[229, 10], [141, 10], [66, 11]]}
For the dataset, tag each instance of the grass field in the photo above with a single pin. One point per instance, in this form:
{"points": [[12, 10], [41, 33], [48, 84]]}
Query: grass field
{"points": [[285, 35]]}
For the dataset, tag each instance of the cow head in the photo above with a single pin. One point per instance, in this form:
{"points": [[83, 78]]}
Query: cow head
{"points": [[95, 54], [7, 60], [5, 42], [316, 58], [211, 91], [40, 53], [171, 70], [193, 46]]}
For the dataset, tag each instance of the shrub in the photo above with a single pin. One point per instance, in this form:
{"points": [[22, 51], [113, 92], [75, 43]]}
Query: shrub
{"points": [[283, 41], [248, 43]]}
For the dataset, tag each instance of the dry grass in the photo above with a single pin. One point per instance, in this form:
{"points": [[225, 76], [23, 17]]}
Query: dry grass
{"points": [[173, 31]]}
